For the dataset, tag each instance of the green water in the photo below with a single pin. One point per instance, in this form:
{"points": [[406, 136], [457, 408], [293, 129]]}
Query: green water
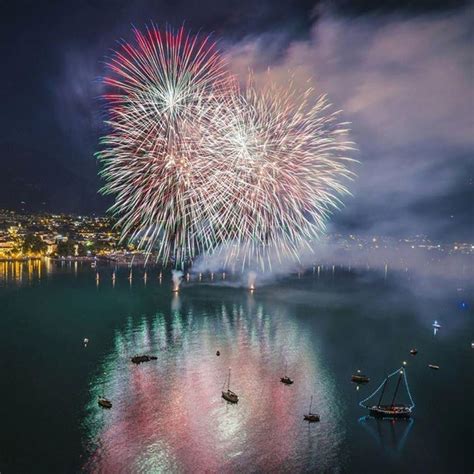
{"points": [[168, 414]]}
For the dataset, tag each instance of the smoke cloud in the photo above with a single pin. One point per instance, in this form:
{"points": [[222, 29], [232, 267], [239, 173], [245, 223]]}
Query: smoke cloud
{"points": [[405, 83]]}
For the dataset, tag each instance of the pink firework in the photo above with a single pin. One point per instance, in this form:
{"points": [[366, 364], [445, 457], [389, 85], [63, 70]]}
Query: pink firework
{"points": [[166, 91]]}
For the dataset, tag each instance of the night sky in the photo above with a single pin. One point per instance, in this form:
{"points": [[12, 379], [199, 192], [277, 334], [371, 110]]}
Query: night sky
{"points": [[402, 74]]}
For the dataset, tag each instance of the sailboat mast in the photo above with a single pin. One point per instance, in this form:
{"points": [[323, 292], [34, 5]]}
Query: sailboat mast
{"points": [[398, 385], [383, 390]]}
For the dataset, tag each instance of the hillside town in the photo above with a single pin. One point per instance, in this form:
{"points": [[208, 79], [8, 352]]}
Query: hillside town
{"points": [[26, 236], [61, 236]]}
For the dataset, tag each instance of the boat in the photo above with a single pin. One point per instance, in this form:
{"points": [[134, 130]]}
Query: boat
{"points": [[433, 366], [138, 359], [311, 417], [104, 402], [413, 352], [392, 409], [229, 395], [359, 378], [286, 380]]}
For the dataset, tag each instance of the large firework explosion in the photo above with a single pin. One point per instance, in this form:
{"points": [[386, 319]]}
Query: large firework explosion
{"points": [[165, 92], [196, 163], [288, 155]]}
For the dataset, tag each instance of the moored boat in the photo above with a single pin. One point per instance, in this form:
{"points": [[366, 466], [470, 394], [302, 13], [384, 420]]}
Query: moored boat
{"points": [[360, 378], [228, 394], [138, 359], [392, 409], [104, 402], [285, 379], [310, 416]]}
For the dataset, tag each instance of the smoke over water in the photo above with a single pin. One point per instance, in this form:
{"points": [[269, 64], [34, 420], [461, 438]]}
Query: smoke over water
{"points": [[416, 258], [176, 277], [251, 278]]}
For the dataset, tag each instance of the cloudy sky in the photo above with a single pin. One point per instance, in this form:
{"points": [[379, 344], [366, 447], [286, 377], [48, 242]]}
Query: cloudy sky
{"points": [[402, 74]]}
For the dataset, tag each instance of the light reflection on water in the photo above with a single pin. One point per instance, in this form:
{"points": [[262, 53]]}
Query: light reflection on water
{"points": [[168, 414], [20, 272], [390, 435]]}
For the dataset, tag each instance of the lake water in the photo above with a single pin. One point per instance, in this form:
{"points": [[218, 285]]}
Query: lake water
{"points": [[168, 414]]}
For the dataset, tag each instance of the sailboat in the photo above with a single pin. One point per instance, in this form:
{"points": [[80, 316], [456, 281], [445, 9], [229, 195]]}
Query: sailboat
{"points": [[311, 417], [393, 409], [286, 380], [101, 400], [229, 395]]}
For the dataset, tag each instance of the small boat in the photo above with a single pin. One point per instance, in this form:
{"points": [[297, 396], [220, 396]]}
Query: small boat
{"points": [[392, 410], [229, 395], [104, 402], [286, 380], [218, 353], [311, 417], [138, 359], [433, 366], [413, 352], [359, 378]]}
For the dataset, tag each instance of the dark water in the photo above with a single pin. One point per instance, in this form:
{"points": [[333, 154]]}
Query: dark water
{"points": [[168, 415]]}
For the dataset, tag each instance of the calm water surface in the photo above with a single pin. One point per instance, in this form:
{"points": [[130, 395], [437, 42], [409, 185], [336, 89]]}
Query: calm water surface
{"points": [[168, 415]]}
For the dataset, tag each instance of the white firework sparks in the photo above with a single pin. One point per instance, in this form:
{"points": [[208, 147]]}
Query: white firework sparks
{"points": [[167, 91], [195, 164], [288, 165]]}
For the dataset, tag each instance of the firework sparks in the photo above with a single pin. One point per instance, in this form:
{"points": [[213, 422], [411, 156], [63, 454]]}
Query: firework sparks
{"points": [[167, 91], [194, 163], [288, 156]]}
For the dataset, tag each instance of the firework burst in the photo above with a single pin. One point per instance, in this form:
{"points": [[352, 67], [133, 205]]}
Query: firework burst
{"points": [[195, 163], [166, 92], [288, 165]]}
